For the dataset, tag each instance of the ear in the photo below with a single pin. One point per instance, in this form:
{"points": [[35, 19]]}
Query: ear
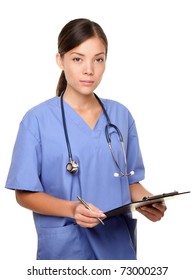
{"points": [[59, 61]]}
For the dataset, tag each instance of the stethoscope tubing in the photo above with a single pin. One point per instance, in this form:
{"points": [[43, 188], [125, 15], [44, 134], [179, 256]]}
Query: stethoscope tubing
{"points": [[65, 128], [109, 125]]}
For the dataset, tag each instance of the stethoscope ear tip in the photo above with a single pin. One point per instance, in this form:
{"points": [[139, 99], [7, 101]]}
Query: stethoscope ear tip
{"points": [[129, 174]]}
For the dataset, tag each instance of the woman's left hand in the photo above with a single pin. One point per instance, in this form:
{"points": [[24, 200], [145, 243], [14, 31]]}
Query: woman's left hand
{"points": [[153, 212]]}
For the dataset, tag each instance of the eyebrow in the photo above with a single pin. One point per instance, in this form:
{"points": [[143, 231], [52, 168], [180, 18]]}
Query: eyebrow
{"points": [[84, 55]]}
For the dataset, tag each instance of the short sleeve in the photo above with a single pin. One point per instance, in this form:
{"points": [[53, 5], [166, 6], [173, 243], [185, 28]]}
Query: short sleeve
{"points": [[24, 172], [134, 156]]}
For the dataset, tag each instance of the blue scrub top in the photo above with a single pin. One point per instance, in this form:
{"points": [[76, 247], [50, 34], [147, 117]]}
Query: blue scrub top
{"points": [[39, 165]]}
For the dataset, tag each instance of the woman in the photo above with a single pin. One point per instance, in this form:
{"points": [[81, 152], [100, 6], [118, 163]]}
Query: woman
{"points": [[62, 152]]}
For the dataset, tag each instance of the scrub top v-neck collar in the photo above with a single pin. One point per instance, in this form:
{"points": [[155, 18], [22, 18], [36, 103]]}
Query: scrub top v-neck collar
{"points": [[80, 122]]}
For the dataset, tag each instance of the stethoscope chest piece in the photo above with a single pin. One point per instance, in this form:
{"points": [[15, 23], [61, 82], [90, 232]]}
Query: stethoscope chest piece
{"points": [[72, 167]]}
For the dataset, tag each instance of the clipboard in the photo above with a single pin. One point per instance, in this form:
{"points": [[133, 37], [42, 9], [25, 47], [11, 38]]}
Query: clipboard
{"points": [[145, 201]]}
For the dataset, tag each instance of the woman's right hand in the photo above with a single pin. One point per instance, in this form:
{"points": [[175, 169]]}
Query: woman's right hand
{"points": [[87, 218]]}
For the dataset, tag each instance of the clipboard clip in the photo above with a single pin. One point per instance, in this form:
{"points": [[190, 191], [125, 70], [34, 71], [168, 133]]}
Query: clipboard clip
{"points": [[145, 198]]}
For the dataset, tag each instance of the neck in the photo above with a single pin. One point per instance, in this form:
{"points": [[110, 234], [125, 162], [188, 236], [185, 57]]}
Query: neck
{"points": [[80, 101]]}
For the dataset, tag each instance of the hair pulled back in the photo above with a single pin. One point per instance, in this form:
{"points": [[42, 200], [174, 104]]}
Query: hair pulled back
{"points": [[72, 35]]}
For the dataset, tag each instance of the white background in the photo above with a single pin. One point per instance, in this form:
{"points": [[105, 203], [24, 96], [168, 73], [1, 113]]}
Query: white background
{"points": [[150, 69]]}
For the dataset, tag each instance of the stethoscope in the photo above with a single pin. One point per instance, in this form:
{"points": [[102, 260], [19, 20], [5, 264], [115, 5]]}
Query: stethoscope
{"points": [[72, 166]]}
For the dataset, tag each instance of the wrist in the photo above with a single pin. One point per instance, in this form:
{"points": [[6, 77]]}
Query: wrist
{"points": [[70, 208]]}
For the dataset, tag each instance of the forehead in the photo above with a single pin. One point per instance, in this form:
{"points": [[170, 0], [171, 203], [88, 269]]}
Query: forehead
{"points": [[92, 46]]}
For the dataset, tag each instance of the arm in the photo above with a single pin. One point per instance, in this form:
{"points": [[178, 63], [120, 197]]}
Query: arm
{"points": [[153, 212], [45, 204], [138, 192]]}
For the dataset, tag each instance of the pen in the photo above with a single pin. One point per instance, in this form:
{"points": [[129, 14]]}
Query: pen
{"points": [[87, 206]]}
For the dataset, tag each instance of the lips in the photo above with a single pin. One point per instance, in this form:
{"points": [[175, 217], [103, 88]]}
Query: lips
{"points": [[87, 82]]}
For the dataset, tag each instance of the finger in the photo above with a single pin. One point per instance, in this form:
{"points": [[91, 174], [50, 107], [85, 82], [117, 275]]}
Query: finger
{"points": [[160, 206], [156, 208], [151, 213], [148, 214], [85, 221], [99, 213], [91, 212], [88, 217]]}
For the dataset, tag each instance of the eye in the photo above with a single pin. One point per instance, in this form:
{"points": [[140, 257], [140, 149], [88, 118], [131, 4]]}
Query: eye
{"points": [[100, 60], [77, 59]]}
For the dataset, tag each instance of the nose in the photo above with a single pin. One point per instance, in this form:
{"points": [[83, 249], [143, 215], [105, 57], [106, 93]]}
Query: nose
{"points": [[88, 68]]}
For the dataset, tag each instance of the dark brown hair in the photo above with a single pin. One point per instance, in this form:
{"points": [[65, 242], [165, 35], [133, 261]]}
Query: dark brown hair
{"points": [[72, 35]]}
